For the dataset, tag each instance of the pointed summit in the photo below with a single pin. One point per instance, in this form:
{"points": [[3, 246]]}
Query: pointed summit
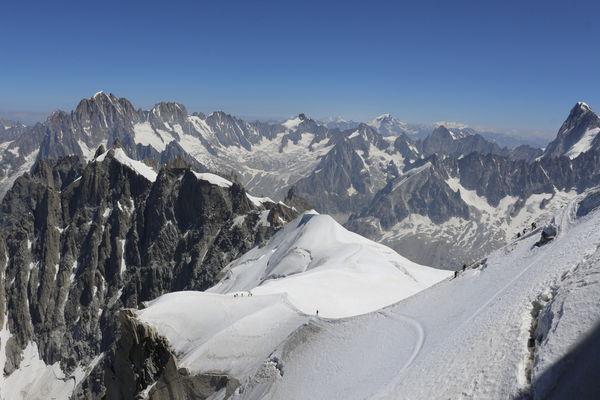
{"points": [[577, 134], [579, 109]]}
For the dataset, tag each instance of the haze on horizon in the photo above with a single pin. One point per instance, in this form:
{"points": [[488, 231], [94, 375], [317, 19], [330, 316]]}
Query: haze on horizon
{"points": [[509, 66]]}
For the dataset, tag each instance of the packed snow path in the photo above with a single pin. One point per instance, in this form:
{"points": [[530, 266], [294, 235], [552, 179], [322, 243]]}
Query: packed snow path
{"points": [[463, 338]]}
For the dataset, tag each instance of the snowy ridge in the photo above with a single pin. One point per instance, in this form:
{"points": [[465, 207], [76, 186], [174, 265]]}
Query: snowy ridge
{"points": [[271, 292], [213, 179], [136, 166], [320, 265], [231, 335]]}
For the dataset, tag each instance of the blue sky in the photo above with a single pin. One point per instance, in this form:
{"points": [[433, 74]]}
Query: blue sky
{"points": [[504, 64]]}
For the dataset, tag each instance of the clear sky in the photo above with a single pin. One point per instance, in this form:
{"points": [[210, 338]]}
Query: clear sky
{"points": [[501, 64]]}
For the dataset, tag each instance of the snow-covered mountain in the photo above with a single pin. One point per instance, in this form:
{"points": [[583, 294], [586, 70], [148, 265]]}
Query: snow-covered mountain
{"points": [[10, 130], [312, 264], [322, 266], [446, 209], [388, 125], [337, 172], [359, 164], [126, 216], [509, 326]]}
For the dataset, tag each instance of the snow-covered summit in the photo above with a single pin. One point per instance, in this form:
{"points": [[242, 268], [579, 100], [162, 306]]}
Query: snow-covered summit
{"points": [[386, 120], [321, 265]]}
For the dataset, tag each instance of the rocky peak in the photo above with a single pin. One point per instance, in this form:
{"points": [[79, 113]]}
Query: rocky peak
{"points": [[577, 134], [580, 113], [103, 110], [232, 131], [170, 112]]}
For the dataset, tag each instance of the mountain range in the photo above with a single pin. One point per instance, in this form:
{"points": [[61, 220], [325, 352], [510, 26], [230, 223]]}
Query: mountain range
{"points": [[119, 224], [366, 176]]}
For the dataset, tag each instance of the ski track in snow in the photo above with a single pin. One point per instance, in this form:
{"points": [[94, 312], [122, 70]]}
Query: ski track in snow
{"points": [[419, 330]]}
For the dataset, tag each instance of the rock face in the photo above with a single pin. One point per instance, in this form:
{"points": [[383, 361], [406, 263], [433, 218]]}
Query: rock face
{"points": [[357, 166], [81, 241]]}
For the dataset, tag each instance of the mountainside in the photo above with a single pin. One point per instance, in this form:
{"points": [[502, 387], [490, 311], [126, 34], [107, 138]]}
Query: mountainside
{"points": [[509, 326], [312, 264], [356, 167], [81, 241], [322, 266], [350, 174], [339, 123], [519, 324], [449, 211], [444, 141]]}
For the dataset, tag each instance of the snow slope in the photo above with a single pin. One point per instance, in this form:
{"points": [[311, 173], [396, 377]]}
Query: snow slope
{"points": [[583, 144], [137, 166], [322, 266], [462, 338], [312, 262], [214, 333]]}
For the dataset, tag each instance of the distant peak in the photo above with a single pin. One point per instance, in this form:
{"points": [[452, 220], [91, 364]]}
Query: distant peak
{"points": [[384, 116], [582, 106], [579, 109], [452, 124], [102, 94]]}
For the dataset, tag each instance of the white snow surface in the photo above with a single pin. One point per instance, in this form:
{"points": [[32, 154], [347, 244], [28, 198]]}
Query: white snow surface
{"points": [[213, 179], [136, 166], [312, 262], [322, 266], [464, 338], [213, 333], [292, 123], [583, 144], [146, 135]]}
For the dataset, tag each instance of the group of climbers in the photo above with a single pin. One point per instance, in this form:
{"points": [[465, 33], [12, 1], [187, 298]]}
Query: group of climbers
{"points": [[242, 294], [533, 228], [456, 272]]}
